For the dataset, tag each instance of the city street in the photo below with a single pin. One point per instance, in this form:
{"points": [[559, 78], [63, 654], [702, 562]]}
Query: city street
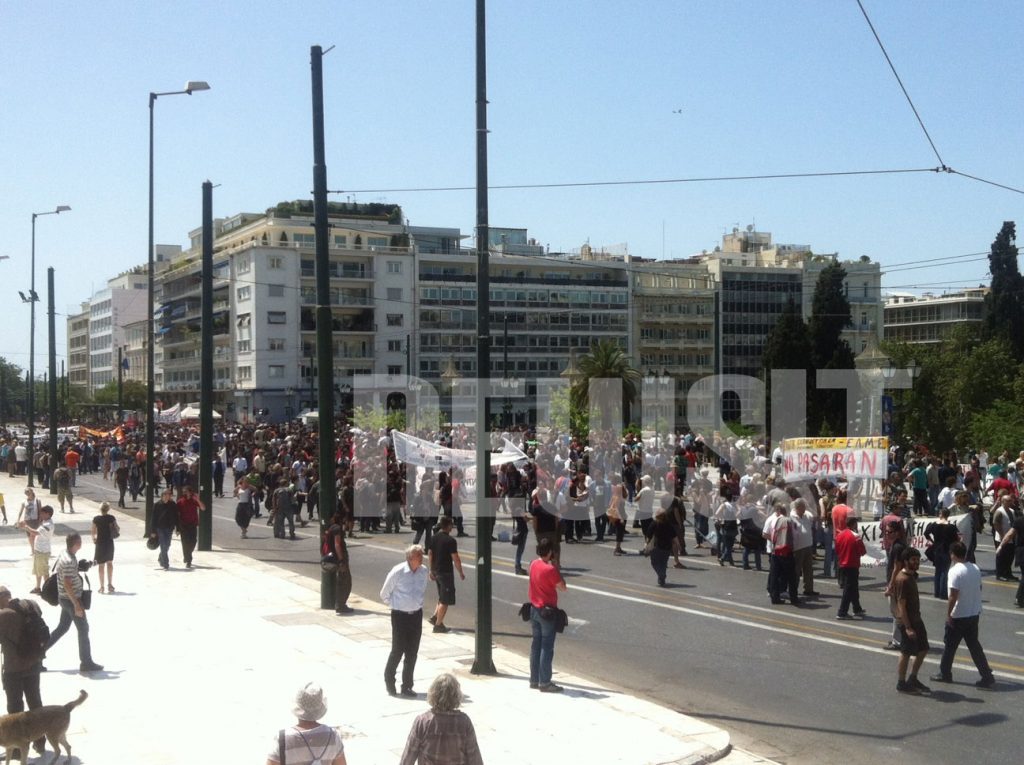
{"points": [[788, 683]]}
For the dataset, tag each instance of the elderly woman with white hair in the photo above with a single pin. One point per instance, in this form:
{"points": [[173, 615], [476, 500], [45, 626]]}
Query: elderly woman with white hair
{"points": [[308, 741], [444, 735]]}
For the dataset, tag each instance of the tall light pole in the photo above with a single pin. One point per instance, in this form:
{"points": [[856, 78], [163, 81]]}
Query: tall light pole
{"points": [[33, 298], [190, 87]]}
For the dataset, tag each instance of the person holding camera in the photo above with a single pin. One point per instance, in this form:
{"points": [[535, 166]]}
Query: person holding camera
{"points": [[69, 594]]}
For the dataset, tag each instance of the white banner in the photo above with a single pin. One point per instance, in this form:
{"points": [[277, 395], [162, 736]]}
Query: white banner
{"points": [[171, 415], [417, 451], [807, 459]]}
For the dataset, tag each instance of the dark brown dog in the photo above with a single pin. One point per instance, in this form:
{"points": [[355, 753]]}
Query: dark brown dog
{"points": [[20, 729]]}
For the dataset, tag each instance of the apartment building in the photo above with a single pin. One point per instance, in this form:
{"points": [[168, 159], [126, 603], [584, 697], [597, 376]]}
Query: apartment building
{"points": [[121, 302], [927, 319]]}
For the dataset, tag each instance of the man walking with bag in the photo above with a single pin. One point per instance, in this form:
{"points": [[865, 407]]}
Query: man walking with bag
{"points": [[72, 609]]}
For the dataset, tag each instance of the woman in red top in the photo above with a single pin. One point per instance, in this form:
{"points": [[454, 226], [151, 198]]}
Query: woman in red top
{"points": [[545, 582]]}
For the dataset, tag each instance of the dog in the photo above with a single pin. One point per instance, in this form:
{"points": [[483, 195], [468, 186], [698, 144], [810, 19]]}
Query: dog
{"points": [[20, 729]]}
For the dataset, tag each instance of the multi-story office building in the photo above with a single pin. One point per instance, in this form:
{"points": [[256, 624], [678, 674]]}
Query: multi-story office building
{"points": [[927, 319], [542, 308], [78, 347], [756, 279], [673, 329]]}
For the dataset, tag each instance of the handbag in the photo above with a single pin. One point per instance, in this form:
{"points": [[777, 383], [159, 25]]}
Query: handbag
{"points": [[48, 592], [115, 530], [86, 597], [649, 546]]}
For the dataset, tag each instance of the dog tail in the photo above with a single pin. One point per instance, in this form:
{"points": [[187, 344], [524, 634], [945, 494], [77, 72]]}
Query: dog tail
{"points": [[72, 704]]}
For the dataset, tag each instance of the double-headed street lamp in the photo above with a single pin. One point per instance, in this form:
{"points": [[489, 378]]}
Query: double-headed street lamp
{"points": [[190, 87], [32, 299]]}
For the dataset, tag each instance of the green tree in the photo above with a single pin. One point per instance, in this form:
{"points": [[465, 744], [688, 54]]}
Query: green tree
{"points": [[830, 315], [606, 360], [134, 394], [962, 386], [12, 391], [787, 347], [1005, 301]]}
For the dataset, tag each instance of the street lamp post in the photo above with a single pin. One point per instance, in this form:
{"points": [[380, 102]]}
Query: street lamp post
{"points": [[32, 299], [190, 87]]}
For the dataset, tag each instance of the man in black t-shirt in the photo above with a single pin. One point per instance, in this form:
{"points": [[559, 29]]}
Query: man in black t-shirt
{"points": [[444, 560]]}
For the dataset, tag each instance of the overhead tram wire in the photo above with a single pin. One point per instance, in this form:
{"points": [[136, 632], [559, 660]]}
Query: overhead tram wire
{"points": [[902, 86], [648, 182]]}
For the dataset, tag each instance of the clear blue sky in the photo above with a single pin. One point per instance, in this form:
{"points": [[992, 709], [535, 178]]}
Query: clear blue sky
{"points": [[582, 91]]}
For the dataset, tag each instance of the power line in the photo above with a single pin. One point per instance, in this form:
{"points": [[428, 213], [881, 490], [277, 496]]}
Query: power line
{"points": [[983, 180], [647, 182], [902, 86]]}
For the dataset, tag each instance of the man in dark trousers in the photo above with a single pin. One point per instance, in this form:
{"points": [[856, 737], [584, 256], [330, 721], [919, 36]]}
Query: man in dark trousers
{"points": [[849, 550], [22, 664], [444, 560], [403, 591], [165, 522], [963, 612], [189, 507]]}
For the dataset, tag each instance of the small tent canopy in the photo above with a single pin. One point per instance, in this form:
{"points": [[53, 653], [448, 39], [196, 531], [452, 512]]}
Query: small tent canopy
{"points": [[191, 412]]}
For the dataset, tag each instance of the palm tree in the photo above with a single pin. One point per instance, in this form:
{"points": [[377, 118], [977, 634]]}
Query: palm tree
{"points": [[605, 360]]}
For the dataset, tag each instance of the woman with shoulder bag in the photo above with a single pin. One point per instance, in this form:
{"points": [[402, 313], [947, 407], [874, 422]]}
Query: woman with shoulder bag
{"points": [[29, 513]]}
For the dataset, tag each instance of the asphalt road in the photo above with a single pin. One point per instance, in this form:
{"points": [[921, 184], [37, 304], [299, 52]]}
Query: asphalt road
{"points": [[789, 683]]}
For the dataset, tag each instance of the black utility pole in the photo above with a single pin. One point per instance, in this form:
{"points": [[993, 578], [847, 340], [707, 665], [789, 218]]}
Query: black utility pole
{"points": [[324, 318], [120, 384], [483, 664], [52, 325], [206, 377], [64, 392], [3, 396]]}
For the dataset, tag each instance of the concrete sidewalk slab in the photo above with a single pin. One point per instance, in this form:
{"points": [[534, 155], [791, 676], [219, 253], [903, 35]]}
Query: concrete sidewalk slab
{"points": [[202, 665]]}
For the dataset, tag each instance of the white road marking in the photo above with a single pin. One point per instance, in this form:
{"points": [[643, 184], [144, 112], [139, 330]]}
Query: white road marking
{"points": [[740, 621]]}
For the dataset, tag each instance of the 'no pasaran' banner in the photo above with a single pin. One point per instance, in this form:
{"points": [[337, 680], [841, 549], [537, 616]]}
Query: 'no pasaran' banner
{"points": [[805, 459]]}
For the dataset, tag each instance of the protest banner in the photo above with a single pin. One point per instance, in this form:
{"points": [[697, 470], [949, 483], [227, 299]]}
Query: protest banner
{"points": [[807, 459]]}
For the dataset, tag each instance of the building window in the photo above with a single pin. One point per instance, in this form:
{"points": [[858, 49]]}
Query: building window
{"points": [[276, 371], [394, 320], [276, 344], [304, 240], [245, 373], [394, 346], [376, 241], [242, 264], [275, 261], [277, 317], [243, 293], [340, 240], [394, 266], [244, 346], [275, 290], [395, 294], [394, 369]]}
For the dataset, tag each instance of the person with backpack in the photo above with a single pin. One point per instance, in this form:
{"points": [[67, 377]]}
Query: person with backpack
{"points": [[23, 640]]}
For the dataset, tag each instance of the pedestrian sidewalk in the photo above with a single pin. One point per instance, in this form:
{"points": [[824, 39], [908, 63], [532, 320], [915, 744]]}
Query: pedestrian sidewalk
{"points": [[201, 666]]}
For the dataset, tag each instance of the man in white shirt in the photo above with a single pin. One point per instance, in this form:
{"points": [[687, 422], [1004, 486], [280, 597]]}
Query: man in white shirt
{"points": [[240, 466], [41, 537], [803, 545], [963, 612], [403, 591]]}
